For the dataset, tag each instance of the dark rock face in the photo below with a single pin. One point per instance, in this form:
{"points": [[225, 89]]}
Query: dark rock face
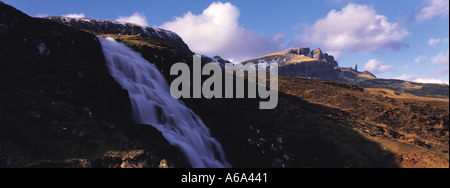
{"points": [[330, 59], [300, 51], [63, 62], [57, 99], [168, 38], [319, 69]]}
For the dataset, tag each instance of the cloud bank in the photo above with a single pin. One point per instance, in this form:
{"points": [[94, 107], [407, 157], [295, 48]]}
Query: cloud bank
{"points": [[355, 28], [136, 18], [75, 15], [377, 67], [432, 9], [436, 42], [431, 81], [216, 31]]}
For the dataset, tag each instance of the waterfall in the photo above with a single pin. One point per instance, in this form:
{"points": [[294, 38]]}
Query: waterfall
{"points": [[152, 104]]}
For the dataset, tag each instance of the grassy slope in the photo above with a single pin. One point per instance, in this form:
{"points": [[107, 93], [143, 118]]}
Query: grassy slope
{"points": [[384, 118]]}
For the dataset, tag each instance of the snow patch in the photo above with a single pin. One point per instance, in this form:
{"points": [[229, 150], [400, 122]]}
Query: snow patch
{"points": [[145, 30]]}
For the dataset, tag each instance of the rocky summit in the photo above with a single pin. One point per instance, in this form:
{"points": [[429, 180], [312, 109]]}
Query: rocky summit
{"points": [[314, 54], [313, 64]]}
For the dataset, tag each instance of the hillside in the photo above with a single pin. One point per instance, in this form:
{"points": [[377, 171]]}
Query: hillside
{"points": [[330, 124], [59, 107]]}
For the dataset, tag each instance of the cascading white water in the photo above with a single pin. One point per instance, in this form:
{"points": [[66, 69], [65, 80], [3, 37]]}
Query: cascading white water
{"points": [[152, 104]]}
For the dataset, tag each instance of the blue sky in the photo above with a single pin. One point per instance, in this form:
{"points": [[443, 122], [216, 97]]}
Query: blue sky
{"points": [[406, 39]]}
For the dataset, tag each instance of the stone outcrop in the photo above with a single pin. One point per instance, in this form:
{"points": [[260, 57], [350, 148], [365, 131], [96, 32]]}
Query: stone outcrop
{"points": [[300, 51], [330, 59], [317, 54]]}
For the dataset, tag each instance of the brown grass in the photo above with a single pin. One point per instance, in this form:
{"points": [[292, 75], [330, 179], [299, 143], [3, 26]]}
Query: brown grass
{"points": [[401, 123], [299, 59]]}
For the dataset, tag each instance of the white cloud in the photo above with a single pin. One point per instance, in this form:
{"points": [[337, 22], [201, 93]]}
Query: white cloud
{"points": [[435, 77], [441, 59], [376, 66], [432, 9], [357, 28], [81, 15], [406, 77], [216, 31], [431, 81], [420, 59], [435, 42], [136, 18]]}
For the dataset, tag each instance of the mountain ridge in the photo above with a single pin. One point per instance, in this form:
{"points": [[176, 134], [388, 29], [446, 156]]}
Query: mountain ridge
{"points": [[314, 64], [100, 27]]}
